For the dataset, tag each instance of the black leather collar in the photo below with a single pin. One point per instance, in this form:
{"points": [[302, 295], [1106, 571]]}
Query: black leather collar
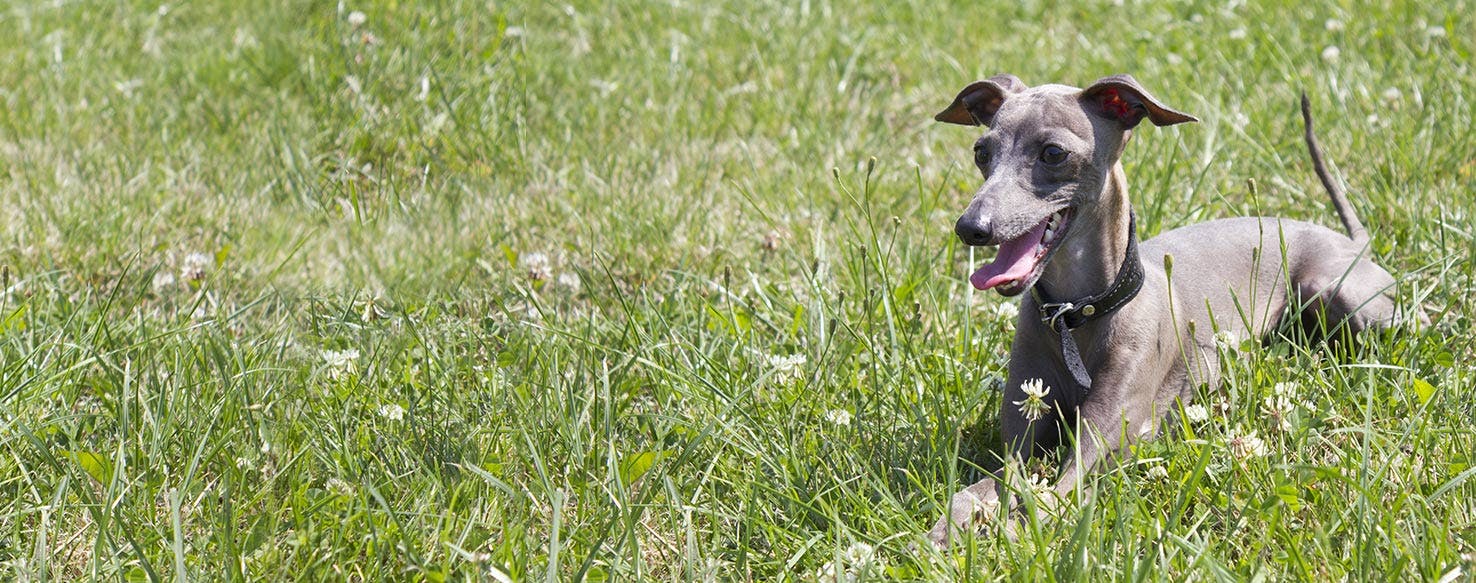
{"points": [[1063, 317]]}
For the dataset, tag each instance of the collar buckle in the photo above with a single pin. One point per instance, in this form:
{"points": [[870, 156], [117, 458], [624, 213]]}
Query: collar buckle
{"points": [[1051, 313]]}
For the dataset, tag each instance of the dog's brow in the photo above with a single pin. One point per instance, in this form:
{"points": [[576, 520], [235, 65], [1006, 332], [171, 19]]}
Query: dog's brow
{"points": [[1069, 140]]}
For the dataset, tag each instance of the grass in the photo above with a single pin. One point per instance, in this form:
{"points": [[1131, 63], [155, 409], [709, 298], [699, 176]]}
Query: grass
{"points": [[631, 290]]}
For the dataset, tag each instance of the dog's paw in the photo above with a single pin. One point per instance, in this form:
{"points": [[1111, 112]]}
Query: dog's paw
{"points": [[967, 511]]}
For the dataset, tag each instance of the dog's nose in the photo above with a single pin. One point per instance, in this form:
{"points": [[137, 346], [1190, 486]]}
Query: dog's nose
{"points": [[973, 231]]}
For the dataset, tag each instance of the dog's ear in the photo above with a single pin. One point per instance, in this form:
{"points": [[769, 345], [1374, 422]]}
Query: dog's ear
{"points": [[978, 102], [1120, 97]]}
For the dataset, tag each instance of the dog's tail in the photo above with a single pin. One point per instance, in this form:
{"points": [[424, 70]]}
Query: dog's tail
{"points": [[1340, 201]]}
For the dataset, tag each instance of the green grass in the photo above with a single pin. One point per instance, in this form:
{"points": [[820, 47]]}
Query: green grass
{"points": [[618, 273]]}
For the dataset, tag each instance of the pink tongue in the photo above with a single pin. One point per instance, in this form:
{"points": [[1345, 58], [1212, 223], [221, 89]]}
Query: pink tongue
{"points": [[1015, 260]]}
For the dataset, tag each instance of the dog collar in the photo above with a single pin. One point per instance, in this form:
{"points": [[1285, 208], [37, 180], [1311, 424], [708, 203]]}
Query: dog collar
{"points": [[1063, 317]]}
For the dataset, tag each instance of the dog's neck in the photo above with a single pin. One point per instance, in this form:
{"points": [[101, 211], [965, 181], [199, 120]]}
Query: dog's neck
{"points": [[1095, 245]]}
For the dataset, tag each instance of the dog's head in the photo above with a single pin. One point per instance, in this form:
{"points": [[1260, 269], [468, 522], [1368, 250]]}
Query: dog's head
{"points": [[1047, 156]]}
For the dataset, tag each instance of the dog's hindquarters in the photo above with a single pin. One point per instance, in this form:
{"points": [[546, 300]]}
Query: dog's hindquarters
{"points": [[1249, 275]]}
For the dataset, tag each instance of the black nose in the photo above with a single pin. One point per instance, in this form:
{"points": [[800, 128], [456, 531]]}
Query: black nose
{"points": [[973, 231]]}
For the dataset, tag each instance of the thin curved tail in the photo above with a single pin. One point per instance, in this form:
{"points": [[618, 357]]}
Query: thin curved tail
{"points": [[1340, 201]]}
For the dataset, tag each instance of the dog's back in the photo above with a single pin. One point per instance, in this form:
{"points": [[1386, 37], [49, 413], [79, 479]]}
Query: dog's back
{"points": [[1235, 270]]}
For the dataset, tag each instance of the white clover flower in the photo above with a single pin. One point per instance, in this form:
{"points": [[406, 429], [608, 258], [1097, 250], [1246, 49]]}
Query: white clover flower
{"points": [[194, 267], [1006, 311], [1279, 408], [392, 411], [1333, 25], [859, 553], [1035, 388], [340, 362], [850, 565], [339, 487], [1226, 340], [839, 417], [536, 265], [1331, 54], [1038, 484], [244, 464], [1033, 406], [340, 358], [1435, 32], [1158, 472], [1293, 394], [569, 281], [1196, 413], [1392, 95], [163, 280], [1237, 34], [831, 573], [786, 367], [373, 309], [1246, 446], [357, 18]]}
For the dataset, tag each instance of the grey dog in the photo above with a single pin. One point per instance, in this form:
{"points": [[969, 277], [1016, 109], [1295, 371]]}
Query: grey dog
{"points": [[1118, 333]]}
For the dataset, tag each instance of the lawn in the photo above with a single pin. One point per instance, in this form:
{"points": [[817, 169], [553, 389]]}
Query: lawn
{"points": [[643, 290]]}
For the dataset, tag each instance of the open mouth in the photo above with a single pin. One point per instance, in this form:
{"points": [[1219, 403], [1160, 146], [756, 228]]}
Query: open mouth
{"points": [[1021, 260]]}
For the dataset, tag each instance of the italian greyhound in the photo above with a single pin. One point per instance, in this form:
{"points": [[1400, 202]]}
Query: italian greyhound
{"points": [[1114, 335]]}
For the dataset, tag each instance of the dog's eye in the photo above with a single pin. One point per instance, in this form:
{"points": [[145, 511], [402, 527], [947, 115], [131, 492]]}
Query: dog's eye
{"points": [[981, 158], [1053, 155]]}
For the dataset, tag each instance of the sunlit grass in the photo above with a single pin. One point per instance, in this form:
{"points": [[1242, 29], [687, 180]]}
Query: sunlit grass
{"points": [[669, 291]]}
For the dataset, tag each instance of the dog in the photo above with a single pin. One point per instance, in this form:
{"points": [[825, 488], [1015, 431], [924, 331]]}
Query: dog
{"points": [[1114, 335]]}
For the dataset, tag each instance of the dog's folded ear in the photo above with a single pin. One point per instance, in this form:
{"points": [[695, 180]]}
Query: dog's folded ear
{"points": [[978, 102], [1120, 97]]}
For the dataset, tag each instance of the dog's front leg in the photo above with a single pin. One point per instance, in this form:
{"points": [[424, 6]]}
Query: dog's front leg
{"points": [[1123, 408], [1101, 431], [971, 507]]}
